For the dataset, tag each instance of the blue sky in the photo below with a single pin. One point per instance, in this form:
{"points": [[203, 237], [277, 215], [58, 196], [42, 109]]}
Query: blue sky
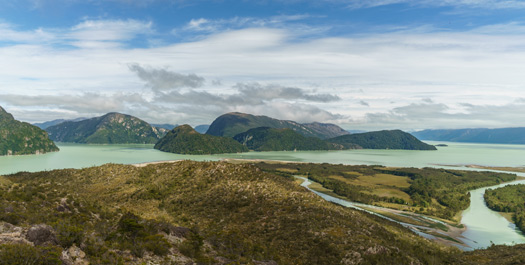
{"points": [[375, 64]]}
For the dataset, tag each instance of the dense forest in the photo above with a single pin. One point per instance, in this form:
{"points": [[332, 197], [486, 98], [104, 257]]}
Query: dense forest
{"points": [[431, 191], [508, 199], [185, 140], [272, 139], [395, 139], [20, 138]]}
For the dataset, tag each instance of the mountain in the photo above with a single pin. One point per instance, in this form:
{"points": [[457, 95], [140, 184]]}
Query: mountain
{"points": [[112, 128], [273, 139], [202, 128], [185, 140], [45, 125], [166, 126], [480, 135], [21, 138], [394, 139], [231, 124]]}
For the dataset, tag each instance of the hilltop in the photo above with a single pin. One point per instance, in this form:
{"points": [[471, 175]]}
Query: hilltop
{"points": [[231, 124], [185, 140], [21, 138], [112, 128]]}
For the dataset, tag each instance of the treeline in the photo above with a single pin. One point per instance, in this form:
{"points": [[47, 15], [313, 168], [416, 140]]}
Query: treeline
{"points": [[509, 199]]}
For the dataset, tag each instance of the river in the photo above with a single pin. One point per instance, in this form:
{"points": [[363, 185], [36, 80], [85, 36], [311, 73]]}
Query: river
{"points": [[483, 225]]}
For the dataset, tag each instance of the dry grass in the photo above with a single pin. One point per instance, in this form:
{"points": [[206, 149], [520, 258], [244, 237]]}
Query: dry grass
{"points": [[390, 192], [385, 180], [4, 181]]}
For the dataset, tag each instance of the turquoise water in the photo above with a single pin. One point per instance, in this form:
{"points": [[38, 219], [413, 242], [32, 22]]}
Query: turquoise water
{"points": [[484, 226], [79, 156]]}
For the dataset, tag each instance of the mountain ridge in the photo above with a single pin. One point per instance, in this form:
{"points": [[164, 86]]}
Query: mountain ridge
{"points": [[233, 123], [511, 135], [111, 128]]}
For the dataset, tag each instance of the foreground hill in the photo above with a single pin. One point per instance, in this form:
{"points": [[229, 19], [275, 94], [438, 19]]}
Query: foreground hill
{"points": [[112, 128], [20, 138], [200, 212], [394, 139], [496, 136], [208, 213], [185, 140], [231, 124], [272, 139]]}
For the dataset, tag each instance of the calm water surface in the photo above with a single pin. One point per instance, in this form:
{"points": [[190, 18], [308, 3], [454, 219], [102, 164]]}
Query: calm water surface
{"points": [[484, 225]]}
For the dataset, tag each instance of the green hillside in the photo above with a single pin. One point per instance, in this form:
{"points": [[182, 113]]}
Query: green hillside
{"points": [[394, 139], [112, 128], [185, 140], [231, 124], [20, 138], [272, 139]]}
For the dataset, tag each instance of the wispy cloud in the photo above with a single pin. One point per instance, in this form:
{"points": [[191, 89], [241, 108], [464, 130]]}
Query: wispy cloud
{"points": [[483, 4]]}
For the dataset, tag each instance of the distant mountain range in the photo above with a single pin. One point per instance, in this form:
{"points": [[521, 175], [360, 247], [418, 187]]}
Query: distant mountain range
{"points": [[202, 128], [45, 125], [21, 138], [231, 124], [166, 126], [112, 128], [185, 140], [480, 135]]}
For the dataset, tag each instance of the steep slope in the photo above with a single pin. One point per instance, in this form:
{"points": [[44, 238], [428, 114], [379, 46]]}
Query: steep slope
{"points": [[394, 139], [231, 124], [272, 139], [480, 135], [185, 140], [20, 138], [112, 128]]}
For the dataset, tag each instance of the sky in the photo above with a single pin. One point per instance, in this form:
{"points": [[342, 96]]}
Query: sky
{"points": [[361, 64]]}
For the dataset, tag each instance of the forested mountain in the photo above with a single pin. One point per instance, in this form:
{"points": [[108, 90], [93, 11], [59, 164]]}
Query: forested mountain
{"points": [[185, 140], [394, 139], [112, 128], [231, 124], [481, 135], [273, 139], [21, 138]]}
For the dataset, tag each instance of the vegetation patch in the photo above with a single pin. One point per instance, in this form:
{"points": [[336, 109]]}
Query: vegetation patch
{"points": [[437, 192], [509, 200]]}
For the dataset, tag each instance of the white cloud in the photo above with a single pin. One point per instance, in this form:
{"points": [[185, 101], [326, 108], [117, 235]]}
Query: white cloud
{"points": [[330, 78]]}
